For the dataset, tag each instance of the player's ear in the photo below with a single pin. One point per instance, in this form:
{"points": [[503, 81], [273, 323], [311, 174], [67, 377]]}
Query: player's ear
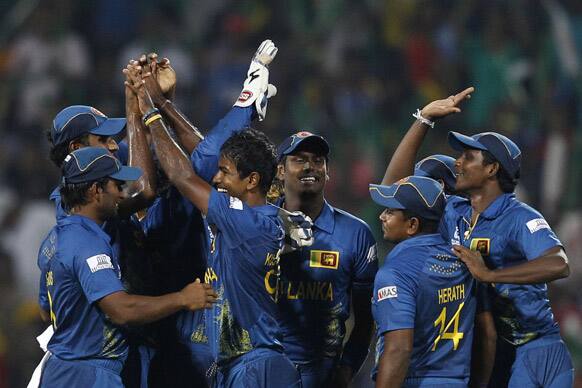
{"points": [[413, 226], [281, 171], [493, 168], [74, 145], [92, 192], [253, 180]]}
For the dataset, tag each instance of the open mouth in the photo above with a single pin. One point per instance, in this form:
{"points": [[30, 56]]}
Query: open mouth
{"points": [[308, 179]]}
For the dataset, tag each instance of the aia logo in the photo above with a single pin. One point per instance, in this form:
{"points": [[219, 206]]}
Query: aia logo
{"points": [[245, 95]]}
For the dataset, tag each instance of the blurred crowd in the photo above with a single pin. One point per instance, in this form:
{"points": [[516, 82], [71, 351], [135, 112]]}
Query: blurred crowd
{"points": [[353, 71]]}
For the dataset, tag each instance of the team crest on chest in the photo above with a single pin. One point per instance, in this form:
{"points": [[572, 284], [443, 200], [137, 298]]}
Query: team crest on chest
{"points": [[482, 245], [324, 259]]}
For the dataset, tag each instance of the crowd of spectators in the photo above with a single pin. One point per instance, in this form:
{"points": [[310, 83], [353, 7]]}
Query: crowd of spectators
{"points": [[353, 71]]}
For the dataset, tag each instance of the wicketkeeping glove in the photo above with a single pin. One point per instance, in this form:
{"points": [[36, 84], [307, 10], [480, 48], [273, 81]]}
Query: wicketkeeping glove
{"points": [[298, 231], [256, 89]]}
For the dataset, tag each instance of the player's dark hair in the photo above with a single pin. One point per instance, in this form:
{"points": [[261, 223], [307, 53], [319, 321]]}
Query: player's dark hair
{"points": [[59, 152], [252, 151], [75, 194], [426, 226], [506, 182]]}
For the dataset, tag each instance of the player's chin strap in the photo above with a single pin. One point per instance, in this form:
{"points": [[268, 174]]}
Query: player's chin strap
{"points": [[256, 88]]}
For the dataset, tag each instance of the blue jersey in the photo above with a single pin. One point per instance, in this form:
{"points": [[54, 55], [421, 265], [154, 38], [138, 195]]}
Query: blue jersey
{"points": [[82, 270], [508, 233], [314, 292], [423, 287], [243, 252]]}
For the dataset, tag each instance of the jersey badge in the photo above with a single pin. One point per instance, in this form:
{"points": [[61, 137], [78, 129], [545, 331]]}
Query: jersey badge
{"points": [[481, 245], [324, 259], [235, 203]]}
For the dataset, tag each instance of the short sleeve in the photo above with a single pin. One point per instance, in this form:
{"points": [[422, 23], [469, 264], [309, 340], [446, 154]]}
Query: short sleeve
{"points": [[366, 259], [241, 224], [535, 236], [394, 301], [97, 272]]}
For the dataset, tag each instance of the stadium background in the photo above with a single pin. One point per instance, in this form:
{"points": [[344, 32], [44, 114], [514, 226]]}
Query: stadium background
{"points": [[353, 71]]}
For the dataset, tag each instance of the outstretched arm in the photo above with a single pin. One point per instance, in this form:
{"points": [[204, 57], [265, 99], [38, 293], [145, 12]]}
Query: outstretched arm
{"points": [[552, 265], [174, 162], [402, 162], [127, 309]]}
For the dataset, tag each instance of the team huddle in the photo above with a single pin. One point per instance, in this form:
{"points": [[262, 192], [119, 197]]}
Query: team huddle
{"points": [[256, 274]]}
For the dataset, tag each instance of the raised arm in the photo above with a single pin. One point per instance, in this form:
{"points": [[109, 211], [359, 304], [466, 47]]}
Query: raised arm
{"points": [[402, 162], [143, 192], [174, 162], [161, 89]]}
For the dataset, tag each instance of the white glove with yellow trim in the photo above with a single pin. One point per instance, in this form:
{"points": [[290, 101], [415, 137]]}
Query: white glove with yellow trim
{"points": [[256, 89]]}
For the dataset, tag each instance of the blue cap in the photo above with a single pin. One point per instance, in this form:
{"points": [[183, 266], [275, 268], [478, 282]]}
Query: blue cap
{"points": [[438, 167], [504, 150], [93, 163], [422, 196], [291, 143], [77, 120]]}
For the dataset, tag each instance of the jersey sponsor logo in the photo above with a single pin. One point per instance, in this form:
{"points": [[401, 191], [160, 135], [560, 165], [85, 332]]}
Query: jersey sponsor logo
{"points": [[235, 203], [324, 259], [481, 245], [537, 224], [372, 253], [245, 95], [99, 262], [387, 292]]}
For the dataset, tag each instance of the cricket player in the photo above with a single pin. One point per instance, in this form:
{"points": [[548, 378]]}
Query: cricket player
{"points": [[87, 301], [511, 246], [320, 283], [245, 238], [424, 300]]}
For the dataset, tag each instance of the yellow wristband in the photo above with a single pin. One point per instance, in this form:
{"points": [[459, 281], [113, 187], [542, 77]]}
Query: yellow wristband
{"points": [[153, 118]]}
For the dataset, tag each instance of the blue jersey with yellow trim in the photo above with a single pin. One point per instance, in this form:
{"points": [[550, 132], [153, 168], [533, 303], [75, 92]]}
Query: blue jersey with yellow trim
{"points": [[423, 287], [243, 254], [83, 270], [508, 233], [314, 292]]}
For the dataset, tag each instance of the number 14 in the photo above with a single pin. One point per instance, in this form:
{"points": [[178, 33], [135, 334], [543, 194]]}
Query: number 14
{"points": [[443, 332]]}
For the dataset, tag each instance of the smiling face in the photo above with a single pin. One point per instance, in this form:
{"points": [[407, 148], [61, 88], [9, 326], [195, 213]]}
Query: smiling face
{"points": [[395, 226], [472, 173], [109, 198], [304, 172], [228, 178]]}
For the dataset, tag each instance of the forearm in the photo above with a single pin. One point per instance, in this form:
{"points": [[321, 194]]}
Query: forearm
{"points": [[542, 270], [127, 309], [188, 135], [177, 167], [402, 162], [144, 190], [393, 368]]}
